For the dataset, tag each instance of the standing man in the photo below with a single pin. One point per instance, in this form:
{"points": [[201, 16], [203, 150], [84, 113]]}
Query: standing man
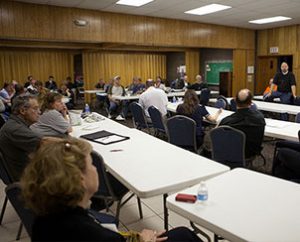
{"points": [[286, 86], [17, 140]]}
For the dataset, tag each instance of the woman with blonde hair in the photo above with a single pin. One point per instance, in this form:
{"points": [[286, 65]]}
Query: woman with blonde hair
{"points": [[194, 110], [57, 185], [54, 119]]}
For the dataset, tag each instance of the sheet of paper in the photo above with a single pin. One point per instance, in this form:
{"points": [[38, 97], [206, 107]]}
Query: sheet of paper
{"points": [[109, 139]]}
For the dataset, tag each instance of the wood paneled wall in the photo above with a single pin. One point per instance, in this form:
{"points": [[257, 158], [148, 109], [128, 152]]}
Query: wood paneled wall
{"points": [[106, 65], [18, 64], [287, 40], [192, 62], [242, 59], [44, 22]]}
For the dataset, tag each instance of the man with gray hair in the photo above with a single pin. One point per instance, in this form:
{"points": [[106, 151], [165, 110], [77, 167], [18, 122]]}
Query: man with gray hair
{"points": [[17, 140], [250, 122]]}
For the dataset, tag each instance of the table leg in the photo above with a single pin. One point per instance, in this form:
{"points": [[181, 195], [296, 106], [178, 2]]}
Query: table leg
{"points": [[166, 214]]}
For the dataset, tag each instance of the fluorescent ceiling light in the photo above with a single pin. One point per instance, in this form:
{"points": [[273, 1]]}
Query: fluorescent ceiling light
{"points": [[135, 3], [211, 8], [269, 20]]}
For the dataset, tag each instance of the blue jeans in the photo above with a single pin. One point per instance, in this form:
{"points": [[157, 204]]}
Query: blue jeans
{"points": [[285, 98], [114, 106]]}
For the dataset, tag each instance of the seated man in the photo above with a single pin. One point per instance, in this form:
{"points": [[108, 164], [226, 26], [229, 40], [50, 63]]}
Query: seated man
{"points": [[251, 122], [136, 87], [199, 84], [267, 91], [154, 97], [17, 140], [51, 84]]}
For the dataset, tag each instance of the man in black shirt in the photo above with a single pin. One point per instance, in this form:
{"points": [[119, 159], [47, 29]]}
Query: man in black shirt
{"points": [[250, 122], [199, 84]]}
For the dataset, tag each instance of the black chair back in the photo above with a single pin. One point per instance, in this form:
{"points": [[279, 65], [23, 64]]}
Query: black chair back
{"points": [[110, 189], [157, 120], [204, 96], [182, 132], [4, 173], [138, 116], [233, 105], [27, 216], [222, 102], [297, 118], [253, 107], [228, 146]]}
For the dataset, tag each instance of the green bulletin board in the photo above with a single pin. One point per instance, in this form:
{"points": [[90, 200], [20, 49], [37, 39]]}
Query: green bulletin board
{"points": [[212, 70]]}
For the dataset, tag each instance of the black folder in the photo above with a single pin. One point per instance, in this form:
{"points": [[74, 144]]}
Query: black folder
{"points": [[104, 137]]}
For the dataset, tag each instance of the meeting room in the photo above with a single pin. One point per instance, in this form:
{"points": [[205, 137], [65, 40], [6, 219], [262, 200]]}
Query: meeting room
{"points": [[149, 120]]}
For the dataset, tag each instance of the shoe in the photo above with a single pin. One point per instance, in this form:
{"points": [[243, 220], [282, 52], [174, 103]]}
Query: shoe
{"points": [[109, 116], [120, 118]]}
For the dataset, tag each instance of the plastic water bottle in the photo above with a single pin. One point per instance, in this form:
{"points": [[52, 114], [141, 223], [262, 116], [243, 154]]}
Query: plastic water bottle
{"points": [[174, 99], [87, 109], [202, 193]]}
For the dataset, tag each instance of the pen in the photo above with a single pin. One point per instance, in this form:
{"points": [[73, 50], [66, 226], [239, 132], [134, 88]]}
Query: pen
{"points": [[116, 150]]}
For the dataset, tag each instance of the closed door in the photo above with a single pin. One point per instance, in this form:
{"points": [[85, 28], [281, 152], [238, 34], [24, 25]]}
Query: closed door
{"points": [[266, 69]]}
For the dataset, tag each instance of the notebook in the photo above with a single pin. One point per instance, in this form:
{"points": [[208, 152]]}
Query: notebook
{"points": [[104, 137]]}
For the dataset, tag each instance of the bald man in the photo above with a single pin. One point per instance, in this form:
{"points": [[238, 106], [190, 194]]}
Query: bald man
{"points": [[250, 122], [286, 86], [199, 84]]}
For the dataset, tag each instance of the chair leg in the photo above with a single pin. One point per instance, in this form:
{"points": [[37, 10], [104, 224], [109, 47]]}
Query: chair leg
{"points": [[118, 210], [140, 207], [264, 159], [199, 231], [19, 231], [3, 209]]}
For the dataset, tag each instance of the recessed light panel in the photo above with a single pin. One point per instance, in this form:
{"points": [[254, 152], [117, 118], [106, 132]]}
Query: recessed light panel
{"points": [[134, 3], [211, 8], [269, 20]]}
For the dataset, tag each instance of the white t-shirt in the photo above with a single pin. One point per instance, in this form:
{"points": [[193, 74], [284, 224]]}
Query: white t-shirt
{"points": [[154, 97]]}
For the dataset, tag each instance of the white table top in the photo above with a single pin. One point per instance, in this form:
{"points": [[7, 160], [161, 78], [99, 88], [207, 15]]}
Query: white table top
{"points": [[244, 205], [261, 98], [274, 128], [149, 166], [271, 106], [94, 91], [170, 94]]}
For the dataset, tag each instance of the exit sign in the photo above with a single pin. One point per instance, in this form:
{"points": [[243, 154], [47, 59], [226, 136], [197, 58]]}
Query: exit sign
{"points": [[274, 50]]}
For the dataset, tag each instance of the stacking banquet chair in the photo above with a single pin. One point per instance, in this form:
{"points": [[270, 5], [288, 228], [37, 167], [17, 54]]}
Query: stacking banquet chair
{"points": [[13, 193], [228, 146], [138, 116], [182, 132], [286, 160], [157, 121], [233, 105], [7, 180], [253, 107], [297, 118], [110, 189], [204, 96], [221, 102]]}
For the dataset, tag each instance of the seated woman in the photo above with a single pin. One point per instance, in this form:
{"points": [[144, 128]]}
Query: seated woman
{"points": [[57, 185], [54, 120], [192, 109]]}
